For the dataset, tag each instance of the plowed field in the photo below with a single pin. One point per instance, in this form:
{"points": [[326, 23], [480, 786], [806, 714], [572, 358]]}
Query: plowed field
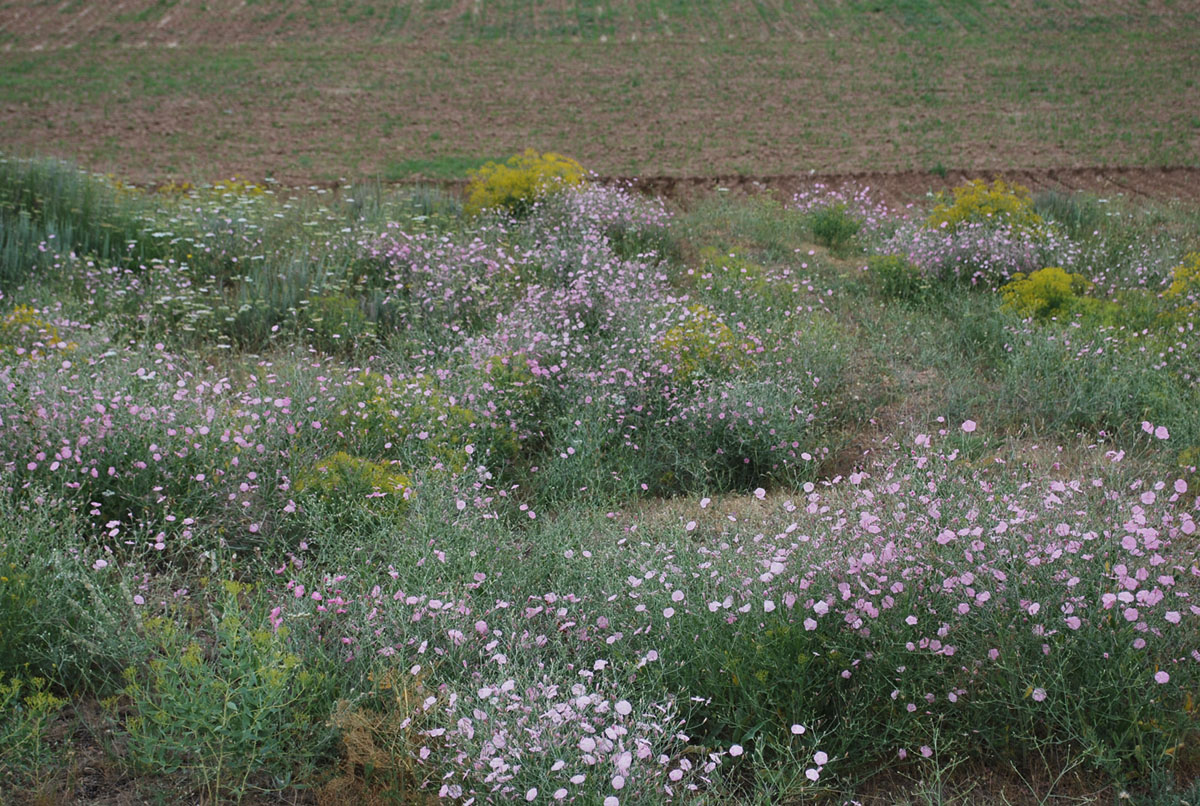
{"points": [[1069, 94]]}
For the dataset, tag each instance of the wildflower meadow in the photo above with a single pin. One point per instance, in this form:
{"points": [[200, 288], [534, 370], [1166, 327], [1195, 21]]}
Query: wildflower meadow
{"points": [[552, 492]]}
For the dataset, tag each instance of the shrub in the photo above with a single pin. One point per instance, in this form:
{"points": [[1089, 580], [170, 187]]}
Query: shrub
{"points": [[1044, 293], [336, 323], [409, 420], [27, 756], [1182, 298], [1053, 293], [833, 226], [896, 277], [344, 476], [233, 711], [515, 185], [700, 344], [995, 204]]}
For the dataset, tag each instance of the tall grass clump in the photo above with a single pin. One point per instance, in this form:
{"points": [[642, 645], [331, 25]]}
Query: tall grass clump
{"points": [[49, 208]]}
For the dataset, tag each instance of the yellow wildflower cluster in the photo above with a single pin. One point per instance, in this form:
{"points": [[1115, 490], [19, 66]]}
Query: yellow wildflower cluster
{"points": [[516, 184], [1052, 292], [24, 333], [978, 202], [1181, 301]]}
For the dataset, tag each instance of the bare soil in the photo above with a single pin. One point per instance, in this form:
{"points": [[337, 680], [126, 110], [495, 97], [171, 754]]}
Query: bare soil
{"points": [[901, 187]]}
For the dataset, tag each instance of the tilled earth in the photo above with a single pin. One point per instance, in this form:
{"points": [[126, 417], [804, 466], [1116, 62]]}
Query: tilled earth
{"points": [[900, 187], [306, 92]]}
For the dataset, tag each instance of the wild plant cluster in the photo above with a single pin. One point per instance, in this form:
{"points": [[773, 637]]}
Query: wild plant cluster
{"points": [[583, 500]]}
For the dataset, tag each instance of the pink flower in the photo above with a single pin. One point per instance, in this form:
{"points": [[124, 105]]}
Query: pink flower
{"points": [[1161, 677], [969, 426]]}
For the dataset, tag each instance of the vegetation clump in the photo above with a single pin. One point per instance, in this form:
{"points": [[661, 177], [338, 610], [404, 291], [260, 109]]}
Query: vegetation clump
{"points": [[336, 323], [345, 476], [24, 333], [977, 202], [700, 344], [896, 277], [515, 185], [1048, 293], [410, 420], [1182, 297], [834, 226]]}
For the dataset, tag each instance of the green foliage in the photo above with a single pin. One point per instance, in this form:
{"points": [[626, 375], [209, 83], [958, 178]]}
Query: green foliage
{"points": [[412, 421], [49, 208], [336, 324], [897, 278], [349, 477], [1080, 216], [236, 710], [60, 618], [833, 226], [1050, 386], [977, 202], [1182, 298], [733, 269], [1049, 293], [700, 345], [521, 402], [28, 757], [514, 186]]}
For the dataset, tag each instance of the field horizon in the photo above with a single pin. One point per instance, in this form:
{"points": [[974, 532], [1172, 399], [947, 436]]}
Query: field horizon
{"points": [[155, 90]]}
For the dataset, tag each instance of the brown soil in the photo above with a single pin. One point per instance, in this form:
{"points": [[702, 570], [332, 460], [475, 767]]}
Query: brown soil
{"points": [[734, 110], [900, 187]]}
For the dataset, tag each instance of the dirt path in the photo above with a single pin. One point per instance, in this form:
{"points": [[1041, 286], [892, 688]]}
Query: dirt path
{"points": [[901, 187]]}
